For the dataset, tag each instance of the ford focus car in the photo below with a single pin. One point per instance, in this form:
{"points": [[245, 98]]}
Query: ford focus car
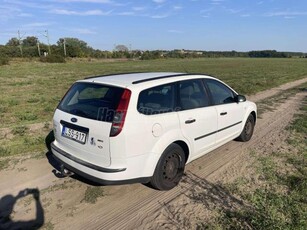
{"points": [[145, 127]]}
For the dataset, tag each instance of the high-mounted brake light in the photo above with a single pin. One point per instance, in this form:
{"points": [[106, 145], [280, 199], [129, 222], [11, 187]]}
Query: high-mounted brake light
{"points": [[120, 113]]}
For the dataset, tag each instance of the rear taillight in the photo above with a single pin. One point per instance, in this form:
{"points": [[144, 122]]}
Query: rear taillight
{"points": [[120, 114]]}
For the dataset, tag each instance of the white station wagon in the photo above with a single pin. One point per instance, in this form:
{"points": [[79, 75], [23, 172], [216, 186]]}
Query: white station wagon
{"points": [[145, 127]]}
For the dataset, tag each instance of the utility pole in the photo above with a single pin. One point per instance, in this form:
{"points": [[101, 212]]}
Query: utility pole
{"points": [[38, 49], [46, 35], [20, 42], [64, 43]]}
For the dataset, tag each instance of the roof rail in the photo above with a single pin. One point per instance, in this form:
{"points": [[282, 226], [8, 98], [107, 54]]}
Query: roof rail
{"points": [[114, 74], [167, 76]]}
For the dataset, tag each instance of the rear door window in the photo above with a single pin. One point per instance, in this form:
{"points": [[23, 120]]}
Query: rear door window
{"points": [[156, 100], [93, 101], [192, 94]]}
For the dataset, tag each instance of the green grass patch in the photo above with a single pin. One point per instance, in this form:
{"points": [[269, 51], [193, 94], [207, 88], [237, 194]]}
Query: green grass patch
{"points": [[92, 194], [4, 163], [32, 90], [22, 144], [4, 151], [269, 104], [20, 130]]}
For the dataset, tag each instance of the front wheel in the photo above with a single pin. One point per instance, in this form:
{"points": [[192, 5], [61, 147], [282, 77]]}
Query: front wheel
{"points": [[169, 169], [248, 129]]}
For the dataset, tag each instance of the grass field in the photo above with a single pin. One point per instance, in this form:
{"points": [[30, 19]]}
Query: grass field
{"points": [[30, 91]]}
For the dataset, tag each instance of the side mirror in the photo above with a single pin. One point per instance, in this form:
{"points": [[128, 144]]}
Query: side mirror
{"points": [[240, 98]]}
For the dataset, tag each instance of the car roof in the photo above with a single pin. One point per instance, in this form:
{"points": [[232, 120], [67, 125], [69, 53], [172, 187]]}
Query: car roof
{"points": [[146, 78]]}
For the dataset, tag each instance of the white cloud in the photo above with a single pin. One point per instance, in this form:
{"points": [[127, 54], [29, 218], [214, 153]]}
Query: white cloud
{"points": [[175, 31], [286, 14], [24, 15], [80, 13], [127, 13], [216, 2], [159, 1], [28, 4], [159, 16], [233, 11], [177, 7], [37, 24], [289, 17], [138, 8], [87, 1]]}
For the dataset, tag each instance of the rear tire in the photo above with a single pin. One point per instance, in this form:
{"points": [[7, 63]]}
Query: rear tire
{"points": [[170, 168], [248, 129]]}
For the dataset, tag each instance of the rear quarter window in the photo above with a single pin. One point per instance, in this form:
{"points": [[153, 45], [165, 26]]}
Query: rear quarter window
{"points": [[157, 100]]}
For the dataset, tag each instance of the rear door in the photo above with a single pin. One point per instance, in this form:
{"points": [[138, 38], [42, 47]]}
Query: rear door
{"points": [[198, 120], [83, 121], [230, 113]]}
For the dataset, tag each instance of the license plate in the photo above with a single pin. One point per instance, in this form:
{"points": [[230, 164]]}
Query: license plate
{"points": [[74, 135]]}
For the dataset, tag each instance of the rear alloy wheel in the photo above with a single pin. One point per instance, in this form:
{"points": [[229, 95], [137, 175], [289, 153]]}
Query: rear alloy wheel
{"points": [[169, 169], [248, 129]]}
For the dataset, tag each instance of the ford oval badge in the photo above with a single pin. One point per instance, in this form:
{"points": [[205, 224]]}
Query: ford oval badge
{"points": [[74, 119]]}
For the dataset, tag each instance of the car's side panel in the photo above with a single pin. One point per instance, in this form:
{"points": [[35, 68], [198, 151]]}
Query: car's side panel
{"points": [[201, 133], [230, 120]]}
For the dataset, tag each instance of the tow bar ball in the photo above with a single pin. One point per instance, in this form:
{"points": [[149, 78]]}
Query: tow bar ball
{"points": [[65, 172]]}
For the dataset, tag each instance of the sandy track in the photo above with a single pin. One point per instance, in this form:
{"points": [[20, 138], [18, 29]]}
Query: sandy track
{"points": [[137, 206]]}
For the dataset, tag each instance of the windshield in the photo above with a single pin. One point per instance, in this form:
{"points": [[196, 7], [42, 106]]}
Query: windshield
{"points": [[93, 101]]}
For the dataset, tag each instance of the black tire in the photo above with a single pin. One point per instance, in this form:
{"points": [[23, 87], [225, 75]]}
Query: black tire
{"points": [[170, 168], [248, 129]]}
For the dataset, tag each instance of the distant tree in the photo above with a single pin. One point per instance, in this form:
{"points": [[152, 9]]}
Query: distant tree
{"points": [[30, 41], [75, 47], [121, 48], [13, 42], [73, 42], [267, 54]]}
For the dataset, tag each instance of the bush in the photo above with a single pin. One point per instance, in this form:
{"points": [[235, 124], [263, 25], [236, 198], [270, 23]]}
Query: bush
{"points": [[4, 61], [53, 59]]}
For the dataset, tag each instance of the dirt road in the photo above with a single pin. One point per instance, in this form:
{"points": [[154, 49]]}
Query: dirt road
{"points": [[138, 206]]}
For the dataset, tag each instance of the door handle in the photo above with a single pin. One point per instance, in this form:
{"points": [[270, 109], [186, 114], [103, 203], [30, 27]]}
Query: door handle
{"points": [[190, 121], [223, 113]]}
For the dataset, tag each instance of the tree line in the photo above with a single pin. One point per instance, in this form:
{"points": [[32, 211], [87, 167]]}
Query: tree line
{"points": [[74, 47]]}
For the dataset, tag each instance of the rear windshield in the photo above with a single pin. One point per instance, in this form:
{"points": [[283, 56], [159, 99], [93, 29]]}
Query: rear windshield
{"points": [[93, 101]]}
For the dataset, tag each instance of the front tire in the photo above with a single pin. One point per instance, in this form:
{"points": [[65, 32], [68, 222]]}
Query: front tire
{"points": [[248, 129], [170, 168]]}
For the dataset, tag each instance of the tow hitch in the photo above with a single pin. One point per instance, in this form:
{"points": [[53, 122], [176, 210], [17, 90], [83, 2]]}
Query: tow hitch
{"points": [[65, 172]]}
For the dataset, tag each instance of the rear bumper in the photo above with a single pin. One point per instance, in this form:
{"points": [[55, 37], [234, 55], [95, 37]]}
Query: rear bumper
{"points": [[97, 174], [84, 163]]}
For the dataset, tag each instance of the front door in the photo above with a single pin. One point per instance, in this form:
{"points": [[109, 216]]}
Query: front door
{"points": [[230, 113]]}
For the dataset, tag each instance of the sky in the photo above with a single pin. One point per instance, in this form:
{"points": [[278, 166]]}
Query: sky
{"points": [[212, 25]]}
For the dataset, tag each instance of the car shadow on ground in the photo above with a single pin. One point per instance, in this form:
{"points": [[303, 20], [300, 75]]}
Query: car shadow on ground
{"points": [[209, 196]]}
